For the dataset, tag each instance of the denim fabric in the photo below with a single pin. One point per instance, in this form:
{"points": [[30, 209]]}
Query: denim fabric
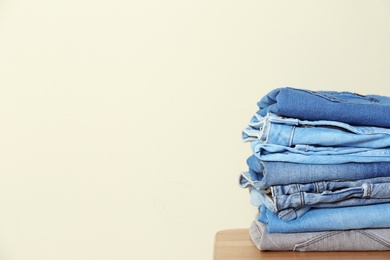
{"points": [[262, 174], [259, 198], [373, 187], [325, 219], [289, 202], [341, 240], [332, 193], [273, 129], [318, 155], [351, 108]]}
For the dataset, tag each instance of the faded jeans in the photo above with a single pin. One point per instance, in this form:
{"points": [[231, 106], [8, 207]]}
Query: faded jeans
{"points": [[262, 174], [274, 129], [339, 240], [347, 107], [318, 155], [292, 201], [325, 219]]}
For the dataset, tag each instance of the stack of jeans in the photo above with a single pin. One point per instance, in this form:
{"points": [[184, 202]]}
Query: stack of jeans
{"points": [[320, 171]]}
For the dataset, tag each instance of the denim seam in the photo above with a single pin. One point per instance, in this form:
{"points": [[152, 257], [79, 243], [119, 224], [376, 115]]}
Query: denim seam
{"points": [[317, 187], [300, 195], [323, 186], [274, 199], [262, 131], [267, 131], [288, 212], [259, 234], [369, 190], [333, 99], [375, 238], [290, 141], [316, 240]]}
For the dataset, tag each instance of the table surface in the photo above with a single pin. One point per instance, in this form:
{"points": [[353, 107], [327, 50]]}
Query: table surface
{"points": [[235, 244]]}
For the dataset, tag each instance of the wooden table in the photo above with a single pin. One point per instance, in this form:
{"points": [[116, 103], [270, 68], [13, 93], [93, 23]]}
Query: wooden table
{"points": [[235, 244]]}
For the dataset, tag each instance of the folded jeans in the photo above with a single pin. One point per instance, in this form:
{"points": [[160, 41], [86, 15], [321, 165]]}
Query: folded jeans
{"points": [[324, 219], [319, 155], [292, 201], [371, 110], [340, 240], [263, 174], [274, 129]]}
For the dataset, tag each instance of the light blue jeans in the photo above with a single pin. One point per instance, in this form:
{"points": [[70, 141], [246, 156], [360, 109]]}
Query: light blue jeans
{"points": [[347, 107], [263, 174], [290, 132], [292, 201], [318, 155], [325, 219]]}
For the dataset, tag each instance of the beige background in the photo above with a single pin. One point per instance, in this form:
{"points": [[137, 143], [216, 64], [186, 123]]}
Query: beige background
{"points": [[121, 120]]}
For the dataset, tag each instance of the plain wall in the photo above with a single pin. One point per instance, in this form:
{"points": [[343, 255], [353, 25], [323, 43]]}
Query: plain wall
{"points": [[120, 133]]}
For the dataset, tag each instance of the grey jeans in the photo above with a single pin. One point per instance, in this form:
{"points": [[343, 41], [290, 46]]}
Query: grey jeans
{"points": [[346, 240]]}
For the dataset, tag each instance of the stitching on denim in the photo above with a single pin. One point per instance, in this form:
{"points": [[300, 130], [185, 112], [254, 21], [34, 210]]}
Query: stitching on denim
{"points": [[274, 197], [369, 190], [268, 130], [375, 238], [291, 136], [320, 186], [262, 130], [334, 99], [257, 230], [298, 188], [288, 212], [300, 195], [323, 95], [324, 188], [315, 240]]}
